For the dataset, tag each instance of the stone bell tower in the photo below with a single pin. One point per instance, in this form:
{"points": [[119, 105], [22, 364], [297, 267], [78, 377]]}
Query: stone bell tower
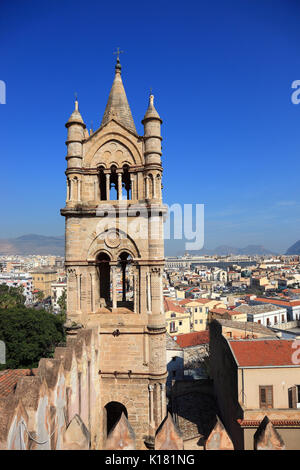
{"points": [[115, 258]]}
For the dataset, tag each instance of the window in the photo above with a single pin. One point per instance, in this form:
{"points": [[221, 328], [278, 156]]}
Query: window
{"points": [[201, 321], [266, 396], [173, 315], [172, 327], [282, 318], [259, 321], [268, 321], [275, 320], [294, 396], [180, 323], [196, 310], [196, 321]]}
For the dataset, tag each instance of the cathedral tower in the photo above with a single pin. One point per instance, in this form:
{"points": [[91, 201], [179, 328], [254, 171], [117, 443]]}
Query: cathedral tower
{"points": [[115, 258]]}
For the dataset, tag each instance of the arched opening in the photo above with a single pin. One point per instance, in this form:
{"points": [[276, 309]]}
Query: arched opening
{"points": [[126, 184], [113, 184], [103, 269], [102, 184], [114, 410], [125, 297]]}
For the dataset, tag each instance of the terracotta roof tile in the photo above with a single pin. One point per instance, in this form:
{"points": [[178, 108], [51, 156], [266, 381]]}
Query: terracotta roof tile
{"points": [[9, 379], [192, 339], [263, 352]]}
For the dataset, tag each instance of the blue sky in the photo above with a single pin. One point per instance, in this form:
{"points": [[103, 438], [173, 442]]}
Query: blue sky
{"points": [[221, 73]]}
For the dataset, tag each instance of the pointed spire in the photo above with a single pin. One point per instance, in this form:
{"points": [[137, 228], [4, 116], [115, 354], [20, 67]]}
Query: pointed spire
{"points": [[151, 111], [117, 105], [75, 116]]}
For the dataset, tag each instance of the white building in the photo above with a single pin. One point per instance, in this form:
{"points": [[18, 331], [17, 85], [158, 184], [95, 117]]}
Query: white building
{"points": [[57, 289], [266, 315], [17, 280]]}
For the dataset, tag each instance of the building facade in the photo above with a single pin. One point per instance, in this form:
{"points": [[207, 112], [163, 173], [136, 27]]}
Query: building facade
{"points": [[114, 223]]}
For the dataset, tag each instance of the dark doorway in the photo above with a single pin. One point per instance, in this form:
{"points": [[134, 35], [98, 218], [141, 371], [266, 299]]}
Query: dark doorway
{"points": [[104, 275], [114, 410]]}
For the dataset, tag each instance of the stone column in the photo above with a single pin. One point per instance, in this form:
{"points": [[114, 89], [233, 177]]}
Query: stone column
{"points": [[147, 187], [95, 191], [132, 186], [119, 186], [68, 189], [163, 400], [155, 290], [79, 191], [123, 282], [107, 186], [71, 189], [142, 289], [114, 287], [134, 293], [148, 287], [78, 286], [154, 187], [161, 295], [92, 281], [151, 406]]}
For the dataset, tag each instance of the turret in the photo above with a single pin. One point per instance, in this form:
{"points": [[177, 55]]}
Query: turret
{"points": [[76, 135], [152, 136]]}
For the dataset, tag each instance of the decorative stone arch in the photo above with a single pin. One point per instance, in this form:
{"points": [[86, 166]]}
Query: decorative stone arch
{"points": [[124, 141], [112, 247]]}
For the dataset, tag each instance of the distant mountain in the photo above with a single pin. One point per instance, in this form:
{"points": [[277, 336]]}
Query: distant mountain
{"points": [[225, 250], [294, 249], [33, 245]]}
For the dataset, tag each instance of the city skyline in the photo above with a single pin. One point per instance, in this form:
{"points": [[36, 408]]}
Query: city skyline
{"points": [[231, 134]]}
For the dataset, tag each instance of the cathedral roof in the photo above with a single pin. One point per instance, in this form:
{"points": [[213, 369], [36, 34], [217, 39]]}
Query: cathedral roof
{"points": [[117, 105]]}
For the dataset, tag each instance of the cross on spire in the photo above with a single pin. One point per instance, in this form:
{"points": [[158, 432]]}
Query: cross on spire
{"points": [[118, 52]]}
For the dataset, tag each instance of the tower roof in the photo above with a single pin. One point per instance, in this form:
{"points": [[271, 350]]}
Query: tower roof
{"points": [[151, 111], [75, 116], [117, 105]]}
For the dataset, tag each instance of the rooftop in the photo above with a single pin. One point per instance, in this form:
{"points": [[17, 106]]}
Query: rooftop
{"points": [[256, 309], [192, 339], [9, 379], [262, 352]]}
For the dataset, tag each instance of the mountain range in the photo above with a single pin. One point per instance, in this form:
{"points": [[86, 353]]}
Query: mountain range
{"points": [[294, 249], [224, 250], [33, 245]]}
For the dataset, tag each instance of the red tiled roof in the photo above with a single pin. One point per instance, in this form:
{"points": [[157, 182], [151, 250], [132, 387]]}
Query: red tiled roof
{"points": [[223, 311], [171, 306], [192, 339], [286, 303], [263, 352], [9, 379]]}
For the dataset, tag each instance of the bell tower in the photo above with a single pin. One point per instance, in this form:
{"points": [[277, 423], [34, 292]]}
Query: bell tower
{"points": [[115, 258]]}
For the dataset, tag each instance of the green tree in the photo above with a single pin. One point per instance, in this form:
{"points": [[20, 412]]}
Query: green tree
{"points": [[62, 302], [29, 335], [11, 296], [39, 295]]}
